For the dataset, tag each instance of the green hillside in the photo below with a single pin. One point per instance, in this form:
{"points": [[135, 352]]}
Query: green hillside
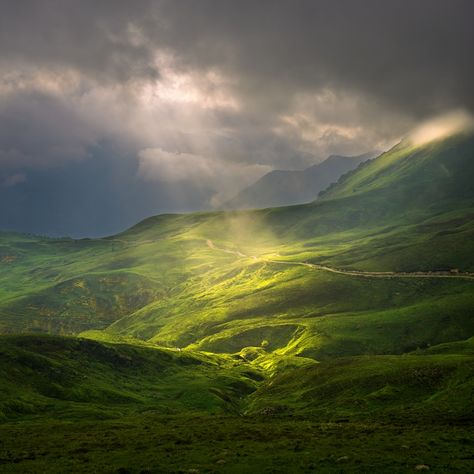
{"points": [[415, 174], [77, 378], [422, 385]]}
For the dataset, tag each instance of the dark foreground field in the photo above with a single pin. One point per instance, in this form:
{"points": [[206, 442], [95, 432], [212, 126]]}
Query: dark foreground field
{"points": [[155, 444]]}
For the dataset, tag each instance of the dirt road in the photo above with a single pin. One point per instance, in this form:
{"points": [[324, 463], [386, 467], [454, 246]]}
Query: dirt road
{"points": [[355, 273]]}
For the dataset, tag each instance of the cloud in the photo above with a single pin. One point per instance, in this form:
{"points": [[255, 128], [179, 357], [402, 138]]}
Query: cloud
{"points": [[174, 167], [103, 40], [441, 127], [37, 129], [411, 56], [253, 82], [338, 122], [13, 180], [156, 164]]}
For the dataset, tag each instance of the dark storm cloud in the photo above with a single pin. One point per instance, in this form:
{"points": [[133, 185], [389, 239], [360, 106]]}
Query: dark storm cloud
{"points": [[97, 38], [414, 55], [233, 87], [38, 130]]}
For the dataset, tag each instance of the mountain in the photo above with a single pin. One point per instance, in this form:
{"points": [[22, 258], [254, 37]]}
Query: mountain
{"points": [[409, 209], [286, 187], [345, 318], [434, 172]]}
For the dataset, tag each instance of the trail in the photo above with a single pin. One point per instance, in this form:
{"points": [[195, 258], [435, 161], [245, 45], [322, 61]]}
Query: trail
{"points": [[355, 273]]}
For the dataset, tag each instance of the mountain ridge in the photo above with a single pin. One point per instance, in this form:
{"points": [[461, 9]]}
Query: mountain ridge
{"points": [[287, 187]]}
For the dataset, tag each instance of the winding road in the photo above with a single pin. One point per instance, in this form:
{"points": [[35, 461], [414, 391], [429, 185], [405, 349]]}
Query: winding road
{"points": [[355, 273]]}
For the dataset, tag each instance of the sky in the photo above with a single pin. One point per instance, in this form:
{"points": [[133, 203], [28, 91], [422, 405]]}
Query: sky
{"points": [[113, 110]]}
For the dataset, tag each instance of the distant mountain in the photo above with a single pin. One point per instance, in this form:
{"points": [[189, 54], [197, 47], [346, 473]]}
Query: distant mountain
{"points": [[283, 188]]}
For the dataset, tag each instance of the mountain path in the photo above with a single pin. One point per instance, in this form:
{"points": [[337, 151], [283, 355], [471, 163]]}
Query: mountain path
{"points": [[355, 273]]}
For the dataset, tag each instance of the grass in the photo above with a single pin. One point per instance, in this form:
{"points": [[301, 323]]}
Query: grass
{"points": [[416, 387], [70, 378], [265, 444]]}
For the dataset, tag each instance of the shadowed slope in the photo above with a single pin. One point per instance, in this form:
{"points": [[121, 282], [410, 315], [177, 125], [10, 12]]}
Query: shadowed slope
{"points": [[67, 377]]}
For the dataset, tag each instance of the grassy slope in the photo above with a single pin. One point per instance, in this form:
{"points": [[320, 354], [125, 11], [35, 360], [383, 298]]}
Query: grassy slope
{"points": [[433, 384], [73, 378], [77, 378]]}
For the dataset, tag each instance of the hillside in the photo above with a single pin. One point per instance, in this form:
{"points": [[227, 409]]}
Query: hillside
{"points": [[76, 378], [410, 209], [287, 187], [436, 171]]}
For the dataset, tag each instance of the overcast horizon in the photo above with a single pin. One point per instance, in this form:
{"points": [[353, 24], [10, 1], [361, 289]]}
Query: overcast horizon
{"points": [[113, 111]]}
